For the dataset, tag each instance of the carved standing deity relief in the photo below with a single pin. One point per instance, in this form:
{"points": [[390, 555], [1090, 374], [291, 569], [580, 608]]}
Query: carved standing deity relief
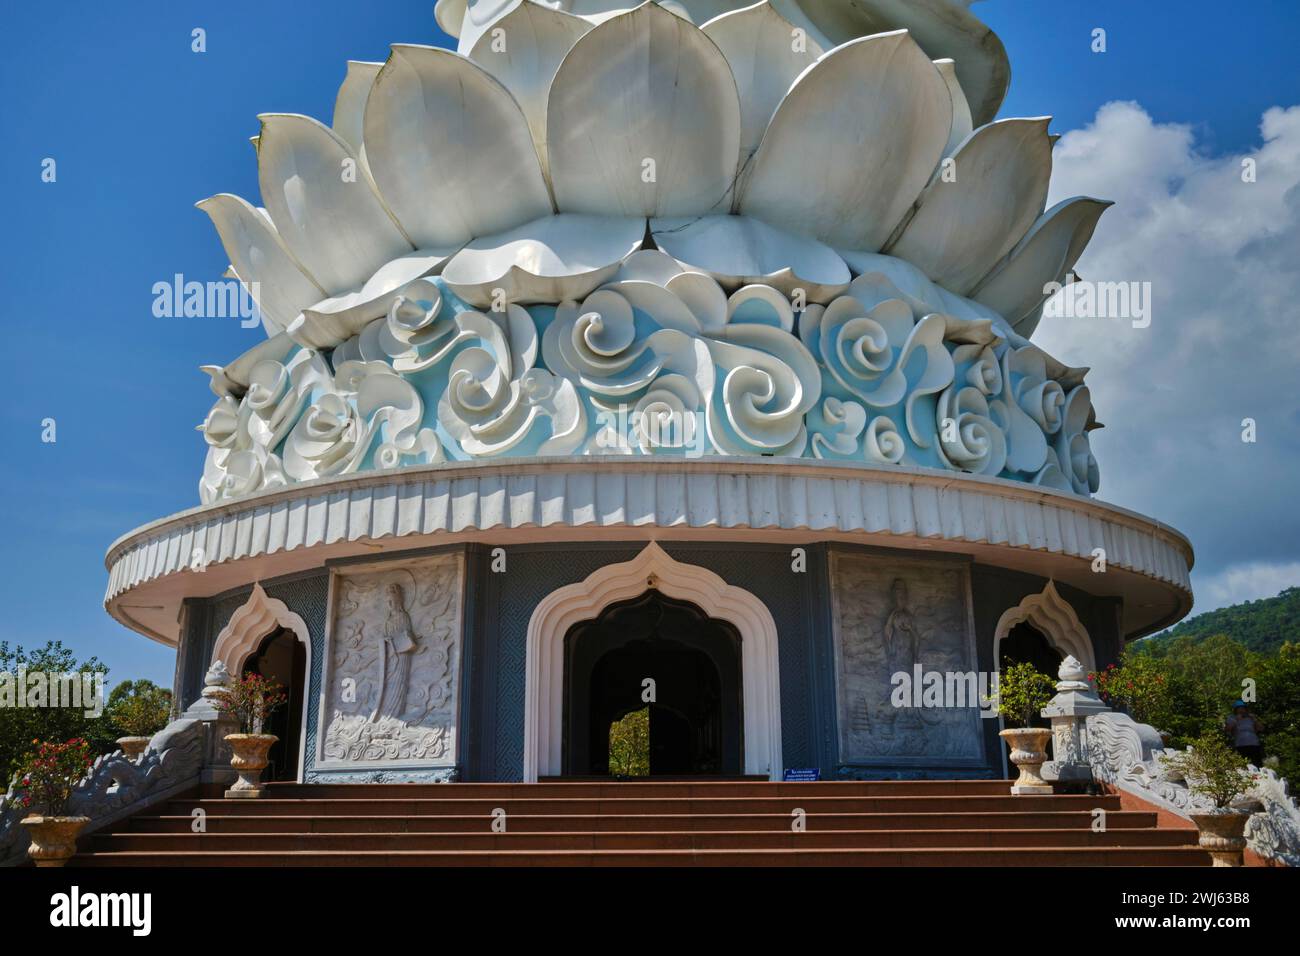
{"points": [[394, 654], [399, 643], [895, 617], [900, 631]]}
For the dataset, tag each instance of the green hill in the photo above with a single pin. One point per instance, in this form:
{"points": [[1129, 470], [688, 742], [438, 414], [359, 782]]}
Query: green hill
{"points": [[1262, 626]]}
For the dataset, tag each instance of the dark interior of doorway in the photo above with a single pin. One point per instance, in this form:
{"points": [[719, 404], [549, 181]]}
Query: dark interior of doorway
{"points": [[282, 658], [1026, 644], [692, 662]]}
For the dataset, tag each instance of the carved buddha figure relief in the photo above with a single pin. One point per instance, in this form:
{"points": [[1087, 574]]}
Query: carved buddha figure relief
{"points": [[399, 644], [394, 651], [891, 618], [900, 631]]}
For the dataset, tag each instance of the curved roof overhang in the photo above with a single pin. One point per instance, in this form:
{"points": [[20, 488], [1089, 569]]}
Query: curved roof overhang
{"points": [[998, 522]]}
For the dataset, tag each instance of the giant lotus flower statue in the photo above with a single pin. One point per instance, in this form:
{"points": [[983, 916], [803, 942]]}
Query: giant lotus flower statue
{"points": [[790, 229]]}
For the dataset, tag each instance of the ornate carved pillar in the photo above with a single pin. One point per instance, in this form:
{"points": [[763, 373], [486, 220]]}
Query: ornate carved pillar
{"points": [[216, 752], [1069, 710]]}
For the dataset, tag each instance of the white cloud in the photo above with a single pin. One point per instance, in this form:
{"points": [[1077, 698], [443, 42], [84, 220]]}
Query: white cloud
{"points": [[1245, 582], [1223, 258]]}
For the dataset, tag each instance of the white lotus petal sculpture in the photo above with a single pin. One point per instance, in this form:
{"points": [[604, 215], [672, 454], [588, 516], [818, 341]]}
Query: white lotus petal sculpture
{"points": [[965, 223], [553, 259], [526, 67], [350, 104], [943, 28], [442, 139], [766, 56], [870, 153], [694, 227], [644, 119]]}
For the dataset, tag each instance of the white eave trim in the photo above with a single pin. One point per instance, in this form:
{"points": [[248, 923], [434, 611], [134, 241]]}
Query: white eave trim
{"points": [[587, 494]]}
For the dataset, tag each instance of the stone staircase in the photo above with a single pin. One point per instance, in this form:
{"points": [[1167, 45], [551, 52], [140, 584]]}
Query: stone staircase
{"points": [[659, 823]]}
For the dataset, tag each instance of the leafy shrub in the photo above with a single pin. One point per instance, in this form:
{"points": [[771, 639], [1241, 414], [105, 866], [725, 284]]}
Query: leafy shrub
{"points": [[47, 775], [1139, 686], [629, 745], [251, 700], [1213, 769], [1022, 692]]}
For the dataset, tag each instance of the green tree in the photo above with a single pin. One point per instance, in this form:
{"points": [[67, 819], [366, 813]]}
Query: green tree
{"points": [[138, 708], [20, 724], [1206, 674], [1140, 685], [629, 745], [1204, 678], [1277, 705]]}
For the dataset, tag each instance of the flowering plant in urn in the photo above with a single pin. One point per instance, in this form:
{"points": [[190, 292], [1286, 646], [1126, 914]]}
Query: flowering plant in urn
{"points": [[45, 779], [1022, 692], [250, 700], [1215, 770], [47, 774]]}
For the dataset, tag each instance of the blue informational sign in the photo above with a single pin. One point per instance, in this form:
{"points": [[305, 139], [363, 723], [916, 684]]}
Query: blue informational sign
{"points": [[802, 775]]}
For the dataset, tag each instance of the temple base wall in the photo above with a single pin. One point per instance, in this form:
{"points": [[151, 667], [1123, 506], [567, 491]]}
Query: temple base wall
{"points": [[847, 620]]}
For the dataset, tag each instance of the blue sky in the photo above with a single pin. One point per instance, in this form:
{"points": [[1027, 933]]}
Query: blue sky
{"points": [[141, 128]]}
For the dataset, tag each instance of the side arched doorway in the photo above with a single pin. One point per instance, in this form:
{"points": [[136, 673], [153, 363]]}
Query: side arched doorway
{"points": [[661, 655], [1025, 644], [282, 658], [1043, 629], [256, 638], [1051, 620]]}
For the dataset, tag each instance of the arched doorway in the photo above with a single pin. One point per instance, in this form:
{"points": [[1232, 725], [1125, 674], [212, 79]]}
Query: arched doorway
{"points": [[695, 716], [258, 621], [282, 658], [1052, 617], [1025, 644], [557, 613]]}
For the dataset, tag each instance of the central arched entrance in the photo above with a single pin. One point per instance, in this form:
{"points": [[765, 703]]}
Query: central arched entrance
{"points": [[664, 656], [557, 614]]}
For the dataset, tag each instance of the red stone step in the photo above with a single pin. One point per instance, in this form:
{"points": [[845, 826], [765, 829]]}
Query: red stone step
{"points": [[658, 778], [654, 823], [621, 805], [657, 788], [974, 856], [524, 823], [629, 840]]}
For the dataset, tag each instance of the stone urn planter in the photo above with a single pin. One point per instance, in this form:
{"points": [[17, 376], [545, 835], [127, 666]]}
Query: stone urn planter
{"points": [[1222, 835], [1028, 752], [54, 839], [248, 757], [133, 747]]}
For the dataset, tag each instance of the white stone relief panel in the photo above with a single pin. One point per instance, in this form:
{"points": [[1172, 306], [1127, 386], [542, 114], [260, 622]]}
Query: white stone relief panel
{"points": [[390, 695], [896, 616]]}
